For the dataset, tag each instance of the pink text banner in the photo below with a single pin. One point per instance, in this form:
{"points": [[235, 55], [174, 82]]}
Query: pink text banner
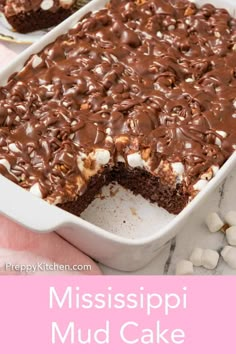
{"points": [[117, 315]]}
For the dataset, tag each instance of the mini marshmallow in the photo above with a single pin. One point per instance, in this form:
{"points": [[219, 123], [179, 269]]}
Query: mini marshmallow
{"points": [[35, 190], [214, 222], [218, 141], [221, 133], [159, 34], [47, 4], [215, 169], [231, 235], [230, 218], [120, 159], [135, 160], [80, 163], [108, 131], [207, 175], [29, 129], [201, 184], [6, 164], [36, 61], [184, 268], [102, 156], [196, 257], [13, 147], [204, 257], [210, 259], [109, 139], [189, 79], [229, 256], [178, 168]]}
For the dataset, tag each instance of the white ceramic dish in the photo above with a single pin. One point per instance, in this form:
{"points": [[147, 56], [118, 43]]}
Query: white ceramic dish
{"points": [[115, 247]]}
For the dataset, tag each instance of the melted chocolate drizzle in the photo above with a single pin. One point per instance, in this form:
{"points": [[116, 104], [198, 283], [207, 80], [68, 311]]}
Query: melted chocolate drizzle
{"points": [[155, 75]]}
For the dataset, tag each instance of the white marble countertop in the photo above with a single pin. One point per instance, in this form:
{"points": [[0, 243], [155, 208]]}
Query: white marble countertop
{"points": [[194, 234]]}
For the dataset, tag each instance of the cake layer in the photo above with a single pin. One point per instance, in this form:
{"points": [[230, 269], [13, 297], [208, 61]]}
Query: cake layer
{"points": [[27, 16], [149, 84], [139, 181]]}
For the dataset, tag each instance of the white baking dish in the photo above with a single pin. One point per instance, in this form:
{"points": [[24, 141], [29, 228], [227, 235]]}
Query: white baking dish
{"points": [[121, 251]]}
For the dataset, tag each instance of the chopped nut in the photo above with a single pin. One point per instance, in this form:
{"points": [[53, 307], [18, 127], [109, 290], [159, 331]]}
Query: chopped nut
{"points": [[189, 11], [224, 228], [63, 168], [122, 140], [84, 106], [88, 163], [194, 111], [146, 154], [140, 2]]}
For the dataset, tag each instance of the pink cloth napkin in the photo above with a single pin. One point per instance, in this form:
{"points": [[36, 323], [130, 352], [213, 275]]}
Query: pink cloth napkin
{"points": [[6, 55], [21, 247]]}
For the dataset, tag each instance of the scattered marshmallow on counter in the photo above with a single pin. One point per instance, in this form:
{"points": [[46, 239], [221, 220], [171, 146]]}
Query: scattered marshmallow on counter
{"points": [[204, 257], [196, 257], [231, 235], [210, 259], [230, 218], [229, 256], [184, 267], [214, 222]]}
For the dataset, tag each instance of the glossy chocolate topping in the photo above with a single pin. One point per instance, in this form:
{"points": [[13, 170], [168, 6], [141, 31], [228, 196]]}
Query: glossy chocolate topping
{"points": [[150, 83]]}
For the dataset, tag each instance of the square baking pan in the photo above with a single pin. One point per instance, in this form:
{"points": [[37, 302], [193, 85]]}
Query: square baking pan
{"points": [[134, 236]]}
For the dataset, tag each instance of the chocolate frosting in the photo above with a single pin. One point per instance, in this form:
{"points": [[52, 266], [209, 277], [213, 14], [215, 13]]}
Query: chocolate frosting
{"points": [[156, 77]]}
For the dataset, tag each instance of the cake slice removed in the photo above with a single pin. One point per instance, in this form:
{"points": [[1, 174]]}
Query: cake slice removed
{"points": [[32, 15]]}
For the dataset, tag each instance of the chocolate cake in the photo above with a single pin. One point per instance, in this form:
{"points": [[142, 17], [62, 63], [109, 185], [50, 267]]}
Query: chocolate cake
{"points": [[141, 92], [31, 15]]}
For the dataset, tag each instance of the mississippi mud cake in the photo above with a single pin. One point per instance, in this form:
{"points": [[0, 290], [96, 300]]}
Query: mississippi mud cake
{"points": [[140, 92], [31, 15]]}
